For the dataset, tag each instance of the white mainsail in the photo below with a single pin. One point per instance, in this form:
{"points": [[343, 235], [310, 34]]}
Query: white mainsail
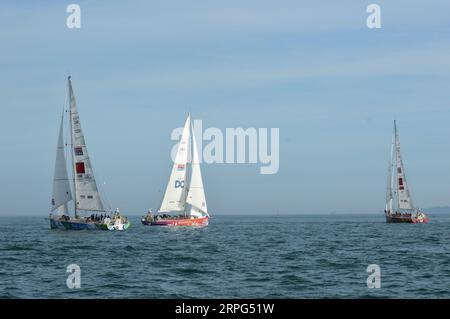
{"points": [[61, 186], [174, 199], [86, 191], [404, 198], [196, 195]]}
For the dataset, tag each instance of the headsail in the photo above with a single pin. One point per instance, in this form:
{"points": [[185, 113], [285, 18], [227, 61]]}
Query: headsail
{"points": [[196, 195], [389, 189], [175, 196], [86, 191], [61, 186], [404, 198]]}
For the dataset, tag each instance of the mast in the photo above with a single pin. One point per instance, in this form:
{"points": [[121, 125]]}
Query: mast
{"points": [[397, 155], [71, 147], [391, 203]]}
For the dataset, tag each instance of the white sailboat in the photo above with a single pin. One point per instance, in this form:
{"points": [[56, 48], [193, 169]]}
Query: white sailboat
{"points": [[398, 187], [183, 203], [89, 212]]}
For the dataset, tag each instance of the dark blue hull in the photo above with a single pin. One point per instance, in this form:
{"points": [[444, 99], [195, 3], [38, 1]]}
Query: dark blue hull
{"points": [[75, 225]]}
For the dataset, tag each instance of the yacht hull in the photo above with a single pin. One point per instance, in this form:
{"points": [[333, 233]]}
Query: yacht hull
{"points": [[187, 222], [75, 225], [82, 225], [410, 219]]}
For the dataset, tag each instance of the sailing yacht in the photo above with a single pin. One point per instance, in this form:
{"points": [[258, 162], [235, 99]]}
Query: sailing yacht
{"points": [[89, 212], [405, 211], [183, 204]]}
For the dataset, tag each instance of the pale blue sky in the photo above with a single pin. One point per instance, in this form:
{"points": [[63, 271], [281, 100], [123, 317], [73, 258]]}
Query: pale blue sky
{"points": [[311, 68]]}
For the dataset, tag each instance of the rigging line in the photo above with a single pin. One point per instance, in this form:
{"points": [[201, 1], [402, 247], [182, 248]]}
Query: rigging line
{"points": [[104, 194]]}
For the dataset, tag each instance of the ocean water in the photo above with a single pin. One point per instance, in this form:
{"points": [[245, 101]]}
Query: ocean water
{"points": [[235, 257]]}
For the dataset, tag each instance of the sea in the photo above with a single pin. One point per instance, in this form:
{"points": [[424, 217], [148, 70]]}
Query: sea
{"points": [[238, 256]]}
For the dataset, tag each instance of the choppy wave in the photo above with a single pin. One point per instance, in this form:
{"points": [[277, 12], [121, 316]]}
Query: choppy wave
{"points": [[234, 257]]}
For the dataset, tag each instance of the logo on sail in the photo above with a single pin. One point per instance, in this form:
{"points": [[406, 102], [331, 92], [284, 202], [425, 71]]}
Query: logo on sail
{"points": [[400, 184], [78, 151], [80, 168], [179, 184]]}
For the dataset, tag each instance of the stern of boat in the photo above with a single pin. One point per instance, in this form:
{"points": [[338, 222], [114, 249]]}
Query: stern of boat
{"points": [[422, 218], [120, 223]]}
